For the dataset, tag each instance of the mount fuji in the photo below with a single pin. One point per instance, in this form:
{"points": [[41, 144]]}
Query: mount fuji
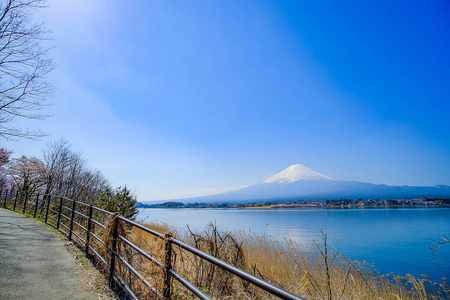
{"points": [[296, 173], [299, 182]]}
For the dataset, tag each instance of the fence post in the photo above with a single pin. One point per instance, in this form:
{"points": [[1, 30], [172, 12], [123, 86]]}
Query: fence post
{"points": [[59, 212], [6, 197], [36, 204], [88, 233], [71, 219], [25, 204], [167, 264], [15, 200], [48, 207], [113, 249]]}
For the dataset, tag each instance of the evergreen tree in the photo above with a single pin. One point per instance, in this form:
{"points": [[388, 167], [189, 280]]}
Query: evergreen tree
{"points": [[120, 200]]}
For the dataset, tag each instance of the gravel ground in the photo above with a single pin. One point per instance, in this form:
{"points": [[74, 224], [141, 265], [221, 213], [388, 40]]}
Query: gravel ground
{"points": [[36, 264]]}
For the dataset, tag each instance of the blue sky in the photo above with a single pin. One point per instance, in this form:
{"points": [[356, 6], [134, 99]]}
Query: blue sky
{"points": [[185, 98]]}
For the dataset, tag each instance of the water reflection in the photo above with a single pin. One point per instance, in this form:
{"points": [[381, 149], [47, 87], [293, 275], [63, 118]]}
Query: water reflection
{"points": [[396, 240]]}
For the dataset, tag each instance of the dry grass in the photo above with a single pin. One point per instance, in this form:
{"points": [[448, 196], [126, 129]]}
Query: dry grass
{"points": [[321, 272], [316, 271]]}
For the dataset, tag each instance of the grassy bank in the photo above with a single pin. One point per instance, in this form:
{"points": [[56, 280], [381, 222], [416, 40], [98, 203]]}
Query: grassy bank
{"points": [[316, 271]]}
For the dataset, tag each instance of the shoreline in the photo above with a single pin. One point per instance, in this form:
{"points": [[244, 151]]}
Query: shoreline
{"points": [[342, 203], [306, 207]]}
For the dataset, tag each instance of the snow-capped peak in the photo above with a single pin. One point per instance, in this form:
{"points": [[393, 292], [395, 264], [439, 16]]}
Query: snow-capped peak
{"points": [[295, 173]]}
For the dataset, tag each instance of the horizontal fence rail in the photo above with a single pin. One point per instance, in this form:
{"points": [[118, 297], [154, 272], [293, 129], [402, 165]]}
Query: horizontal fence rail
{"points": [[138, 260]]}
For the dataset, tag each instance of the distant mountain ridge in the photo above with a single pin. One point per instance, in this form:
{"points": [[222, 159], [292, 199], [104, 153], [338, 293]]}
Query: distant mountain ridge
{"points": [[299, 182]]}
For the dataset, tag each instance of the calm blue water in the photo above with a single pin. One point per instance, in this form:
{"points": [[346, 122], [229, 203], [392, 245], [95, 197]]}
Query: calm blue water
{"points": [[395, 240]]}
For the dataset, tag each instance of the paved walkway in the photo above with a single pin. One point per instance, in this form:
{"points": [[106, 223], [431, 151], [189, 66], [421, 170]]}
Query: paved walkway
{"points": [[34, 263]]}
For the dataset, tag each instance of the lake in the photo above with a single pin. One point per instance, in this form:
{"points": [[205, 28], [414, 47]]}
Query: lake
{"points": [[395, 240]]}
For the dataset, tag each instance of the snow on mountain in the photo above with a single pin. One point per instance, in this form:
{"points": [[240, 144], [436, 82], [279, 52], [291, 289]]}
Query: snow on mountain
{"points": [[295, 173]]}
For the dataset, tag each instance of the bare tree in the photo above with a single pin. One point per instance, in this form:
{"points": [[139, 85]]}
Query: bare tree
{"points": [[72, 186], [4, 160], [90, 185], [66, 174], [26, 172], [56, 160], [24, 66]]}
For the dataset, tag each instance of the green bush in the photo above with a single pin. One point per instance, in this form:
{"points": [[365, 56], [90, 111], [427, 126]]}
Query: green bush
{"points": [[120, 200]]}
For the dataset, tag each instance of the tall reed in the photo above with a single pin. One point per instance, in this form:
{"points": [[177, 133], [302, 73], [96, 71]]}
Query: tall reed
{"points": [[315, 271]]}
